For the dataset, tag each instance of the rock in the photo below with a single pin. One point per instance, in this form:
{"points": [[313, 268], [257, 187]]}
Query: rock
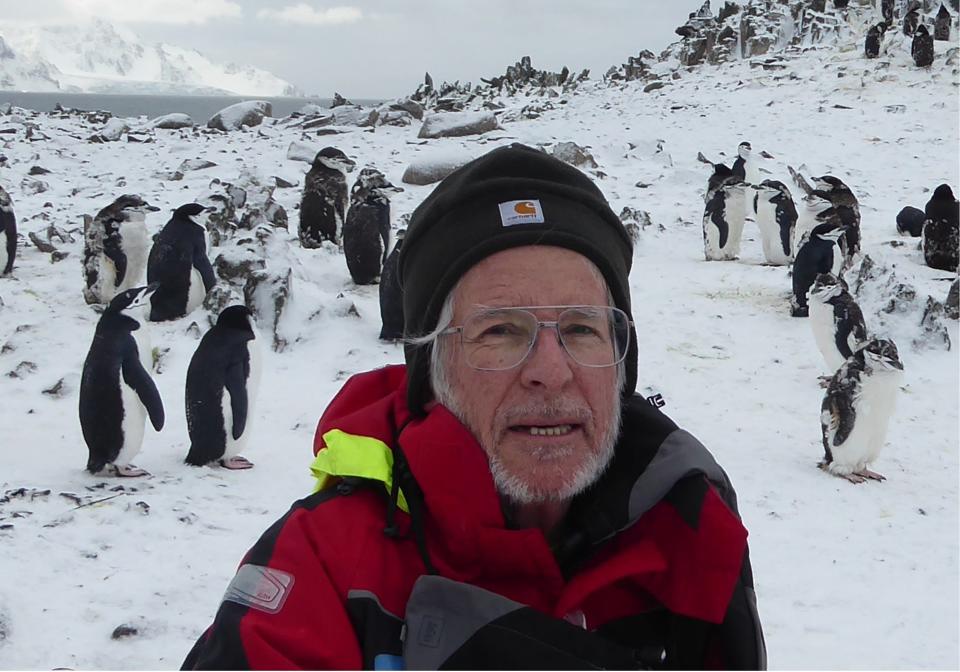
{"points": [[235, 264], [113, 130], [934, 332], [910, 221], [412, 107], [40, 244], [387, 116], [246, 113], [194, 164], [172, 121], [952, 305], [31, 186], [218, 298], [457, 124], [38, 170], [282, 183], [339, 101], [58, 255], [266, 294], [432, 167], [573, 154], [57, 390], [653, 86], [124, 631], [302, 151], [22, 370], [902, 299], [355, 116]]}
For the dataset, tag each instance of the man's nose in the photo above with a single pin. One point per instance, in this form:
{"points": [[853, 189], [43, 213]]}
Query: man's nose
{"points": [[548, 365]]}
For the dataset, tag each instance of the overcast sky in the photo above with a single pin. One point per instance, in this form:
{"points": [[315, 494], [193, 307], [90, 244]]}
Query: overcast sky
{"points": [[381, 48]]}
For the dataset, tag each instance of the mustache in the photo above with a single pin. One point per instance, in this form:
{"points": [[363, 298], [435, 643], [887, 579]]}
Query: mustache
{"points": [[546, 410]]}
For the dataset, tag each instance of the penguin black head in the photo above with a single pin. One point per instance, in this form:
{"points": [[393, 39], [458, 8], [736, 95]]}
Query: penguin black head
{"points": [[331, 157], [775, 190], [828, 231], [743, 150], [881, 354], [943, 193], [189, 210], [131, 298], [126, 208], [371, 182], [235, 317], [921, 31], [829, 183], [825, 287]]}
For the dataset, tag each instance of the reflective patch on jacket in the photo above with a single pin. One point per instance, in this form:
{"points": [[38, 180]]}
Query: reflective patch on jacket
{"points": [[262, 588]]}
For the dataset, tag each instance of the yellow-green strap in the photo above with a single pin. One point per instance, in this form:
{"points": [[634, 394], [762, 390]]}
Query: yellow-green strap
{"points": [[354, 455]]}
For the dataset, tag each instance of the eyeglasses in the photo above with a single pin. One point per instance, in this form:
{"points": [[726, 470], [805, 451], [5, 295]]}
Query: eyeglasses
{"points": [[497, 339]]}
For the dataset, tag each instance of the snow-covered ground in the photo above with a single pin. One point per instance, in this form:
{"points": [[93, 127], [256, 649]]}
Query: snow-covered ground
{"points": [[847, 576]]}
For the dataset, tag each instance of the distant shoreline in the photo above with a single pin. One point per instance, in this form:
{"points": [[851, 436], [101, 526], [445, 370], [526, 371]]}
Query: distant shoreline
{"points": [[200, 108]]}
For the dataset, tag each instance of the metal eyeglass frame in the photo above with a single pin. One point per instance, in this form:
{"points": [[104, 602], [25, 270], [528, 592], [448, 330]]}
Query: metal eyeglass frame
{"points": [[554, 324]]}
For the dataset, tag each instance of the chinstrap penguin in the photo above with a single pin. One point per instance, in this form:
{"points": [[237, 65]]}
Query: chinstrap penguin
{"points": [[836, 320], [391, 294], [366, 231], [8, 233], [874, 40], [941, 230], [724, 215], [116, 390], [776, 219], [178, 261], [845, 211], [910, 221], [744, 166], [115, 248], [821, 253], [221, 391], [856, 410], [323, 205], [922, 48]]}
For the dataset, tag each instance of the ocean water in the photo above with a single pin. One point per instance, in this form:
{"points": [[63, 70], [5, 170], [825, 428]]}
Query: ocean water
{"points": [[200, 108]]}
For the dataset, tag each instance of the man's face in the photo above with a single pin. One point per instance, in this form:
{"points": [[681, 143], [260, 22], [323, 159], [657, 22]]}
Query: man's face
{"points": [[549, 425]]}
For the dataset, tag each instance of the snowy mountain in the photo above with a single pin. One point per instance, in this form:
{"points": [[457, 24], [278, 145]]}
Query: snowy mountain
{"points": [[109, 574], [99, 57]]}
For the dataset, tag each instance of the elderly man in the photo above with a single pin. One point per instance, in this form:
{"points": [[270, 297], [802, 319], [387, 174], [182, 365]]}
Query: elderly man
{"points": [[504, 500]]}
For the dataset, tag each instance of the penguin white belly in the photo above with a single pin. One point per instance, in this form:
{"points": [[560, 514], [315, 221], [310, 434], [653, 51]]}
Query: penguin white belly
{"points": [[806, 221], [735, 212], [873, 407], [196, 293], [822, 324], [234, 447], [135, 245], [837, 267], [3, 251], [770, 233], [106, 276], [134, 412]]}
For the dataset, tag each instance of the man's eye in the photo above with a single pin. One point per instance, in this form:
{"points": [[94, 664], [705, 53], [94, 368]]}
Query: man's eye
{"points": [[580, 330], [502, 329]]}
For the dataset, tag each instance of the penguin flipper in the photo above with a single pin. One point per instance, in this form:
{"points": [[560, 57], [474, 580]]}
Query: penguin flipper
{"points": [[203, 266], [137, 377], [111, 248], [236, 384], [839, 404]]}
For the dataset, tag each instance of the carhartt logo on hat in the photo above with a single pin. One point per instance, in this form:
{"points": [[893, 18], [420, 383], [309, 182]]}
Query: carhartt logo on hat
{"points": [[521, 212]]}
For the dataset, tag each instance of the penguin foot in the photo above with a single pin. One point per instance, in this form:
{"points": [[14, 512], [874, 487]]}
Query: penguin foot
{"points": [[237, 462], [129, 471], [853, 478], [872, 475]]}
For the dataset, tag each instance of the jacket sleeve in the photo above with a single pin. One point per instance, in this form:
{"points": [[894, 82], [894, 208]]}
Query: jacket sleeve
{"points": [[282, 610]]}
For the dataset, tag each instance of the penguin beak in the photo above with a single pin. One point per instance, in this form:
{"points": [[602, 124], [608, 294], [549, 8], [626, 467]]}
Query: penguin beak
{"points": [[150, 289], [151, 208]]}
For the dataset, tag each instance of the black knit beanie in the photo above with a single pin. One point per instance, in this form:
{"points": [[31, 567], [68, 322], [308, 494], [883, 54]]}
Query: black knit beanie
{"points": [[512, 196]]}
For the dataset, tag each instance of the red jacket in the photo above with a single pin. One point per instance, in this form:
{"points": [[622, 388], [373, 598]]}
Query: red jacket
{"points": [[406, 526]]}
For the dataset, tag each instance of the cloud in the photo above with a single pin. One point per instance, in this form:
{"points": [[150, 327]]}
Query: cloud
{"points": [[156, 11], [304, 13]]}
